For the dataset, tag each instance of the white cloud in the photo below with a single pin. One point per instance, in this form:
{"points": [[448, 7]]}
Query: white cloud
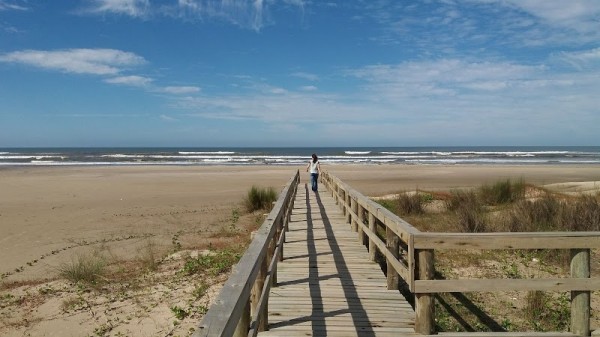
{"points": [[252, 14], [306, 76], [135, 8], [579, 17], [442, 77], [427, 102], [479, 27], [6, 5], [79, 61], [180, 90], [581, 59], [308, 88], [558, 11], [133, 80], [168, 118]]}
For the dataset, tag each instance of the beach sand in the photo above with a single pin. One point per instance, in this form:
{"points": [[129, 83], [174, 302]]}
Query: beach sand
{"points": [[48, 215]]}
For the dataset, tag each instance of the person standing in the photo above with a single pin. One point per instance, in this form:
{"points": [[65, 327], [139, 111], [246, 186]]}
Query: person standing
{"points": [[314, 166]]}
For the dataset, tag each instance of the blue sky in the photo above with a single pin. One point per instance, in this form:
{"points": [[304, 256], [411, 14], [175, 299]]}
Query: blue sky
{"points": [[299, 73]]}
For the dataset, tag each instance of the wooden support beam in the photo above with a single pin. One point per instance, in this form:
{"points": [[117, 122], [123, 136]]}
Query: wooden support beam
{"points": [[424, 302], [393, 245], [372, 245], [580, 300]]}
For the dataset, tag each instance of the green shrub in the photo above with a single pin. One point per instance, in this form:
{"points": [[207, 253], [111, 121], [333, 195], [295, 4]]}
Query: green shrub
{"points": [[260, 198], [214, 263], [388, 204]]}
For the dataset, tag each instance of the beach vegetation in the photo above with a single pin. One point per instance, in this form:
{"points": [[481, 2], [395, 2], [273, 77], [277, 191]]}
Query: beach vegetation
{"points": [[87, 268], [502, 192], [388, 204], [546, 312], [179, 312], [260, 198], [410, 203], [506, 206], [149, 256], [213, 263], [200, 289]]}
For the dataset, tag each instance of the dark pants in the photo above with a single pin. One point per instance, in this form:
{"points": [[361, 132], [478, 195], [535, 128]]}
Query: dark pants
{"points": [[314, 177]]}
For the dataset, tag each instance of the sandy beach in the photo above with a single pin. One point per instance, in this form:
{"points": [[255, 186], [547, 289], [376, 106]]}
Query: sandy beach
{"points": [[48, 209], [50, 214]]}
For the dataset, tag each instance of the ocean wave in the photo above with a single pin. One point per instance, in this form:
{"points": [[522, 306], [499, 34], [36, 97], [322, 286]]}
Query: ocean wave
{"points": [[37, 157], [299, 157], [207, 152], [357, 152]]}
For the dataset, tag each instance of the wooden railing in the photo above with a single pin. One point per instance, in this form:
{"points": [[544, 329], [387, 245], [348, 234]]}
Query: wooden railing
{"points": [[241, 308], [409, 254]]}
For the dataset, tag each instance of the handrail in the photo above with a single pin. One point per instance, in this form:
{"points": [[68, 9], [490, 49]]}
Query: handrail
{"points": [[409, 253], [252, 277]]}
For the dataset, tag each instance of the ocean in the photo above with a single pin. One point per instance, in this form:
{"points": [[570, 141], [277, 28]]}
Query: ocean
{"points": [[514, 155]]}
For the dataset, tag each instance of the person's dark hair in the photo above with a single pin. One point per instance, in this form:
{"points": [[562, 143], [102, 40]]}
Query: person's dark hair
{"points": [[315, 158]]}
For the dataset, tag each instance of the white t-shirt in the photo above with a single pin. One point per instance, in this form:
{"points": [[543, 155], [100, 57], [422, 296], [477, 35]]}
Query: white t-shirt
{"points": [[314, 167]]}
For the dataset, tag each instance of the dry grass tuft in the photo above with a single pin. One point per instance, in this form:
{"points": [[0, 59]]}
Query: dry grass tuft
{"points": [[85, 268]]}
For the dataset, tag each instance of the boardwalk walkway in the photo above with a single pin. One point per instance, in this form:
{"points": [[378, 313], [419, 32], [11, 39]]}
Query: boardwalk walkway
{"points": [[327, 286]]}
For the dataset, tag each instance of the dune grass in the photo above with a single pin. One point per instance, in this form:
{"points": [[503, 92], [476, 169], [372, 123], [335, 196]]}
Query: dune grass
{"points": [[85, 268], [260, 198]]}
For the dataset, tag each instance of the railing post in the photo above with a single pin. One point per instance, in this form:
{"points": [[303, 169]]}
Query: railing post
{"points": [[372, 246], [243, 326], [580, 300], [279, 255], [353, 220], [257, 291], [347, 199], [361, 220], [424, 303], [392, 243]]}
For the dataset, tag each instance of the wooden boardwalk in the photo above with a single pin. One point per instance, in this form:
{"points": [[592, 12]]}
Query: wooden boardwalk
{"points": [[326, 284]]}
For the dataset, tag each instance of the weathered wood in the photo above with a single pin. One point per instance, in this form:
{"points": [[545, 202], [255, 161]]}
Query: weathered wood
{"points": [[396, 265], [506, 334], [424, 302], [361, 221], [372, 245], [347, 208], [244, 323], [537, 240], [353, 215], [393, 246], [580, 300], [474, 285], [256, 295], [335, 290]]}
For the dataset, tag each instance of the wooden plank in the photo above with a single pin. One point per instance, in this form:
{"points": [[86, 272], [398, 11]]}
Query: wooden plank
{"points": [[473, 285], [337, 291], [506, 334], [523, 240]]}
